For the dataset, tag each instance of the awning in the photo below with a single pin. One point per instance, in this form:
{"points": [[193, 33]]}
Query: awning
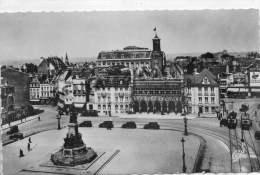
{"points": [[237, 90], [233, 89], [79, 105]]}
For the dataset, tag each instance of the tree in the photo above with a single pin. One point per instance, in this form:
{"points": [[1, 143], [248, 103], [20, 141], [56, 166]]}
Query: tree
{"points": [[29, 68], [190, 67], [207, 55]]}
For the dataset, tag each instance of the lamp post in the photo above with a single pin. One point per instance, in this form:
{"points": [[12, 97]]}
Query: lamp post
{"points": [[183, 156], [185, 125], [59, 117]]}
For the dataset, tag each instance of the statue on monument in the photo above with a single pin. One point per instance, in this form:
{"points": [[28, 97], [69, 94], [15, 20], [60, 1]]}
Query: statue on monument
{"points": [[73, 114]]}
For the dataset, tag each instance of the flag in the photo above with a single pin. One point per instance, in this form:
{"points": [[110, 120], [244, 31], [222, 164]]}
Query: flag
{"points": [[154, 29]]}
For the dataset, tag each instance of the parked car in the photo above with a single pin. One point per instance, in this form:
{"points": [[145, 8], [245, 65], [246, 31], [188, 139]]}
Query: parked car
{"points": [[129, 125], [152, 125], [17, 135], [86, 123], [13, 129], [106, 124]]}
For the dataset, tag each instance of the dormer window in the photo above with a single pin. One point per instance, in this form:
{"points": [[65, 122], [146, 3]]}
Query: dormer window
{"points": [[122, 56], [121, 81], [205, 80]]}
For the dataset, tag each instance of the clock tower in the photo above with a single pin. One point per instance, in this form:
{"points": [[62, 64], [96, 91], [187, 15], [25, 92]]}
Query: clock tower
{"points": [[156, 43], [157, 56]]}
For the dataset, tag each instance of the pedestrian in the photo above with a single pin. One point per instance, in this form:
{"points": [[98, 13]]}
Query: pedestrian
{"points": [[199, 114], [29, 146], [21, 153], [255, 113], [30, 140], [21, 119], [39, 118], [9, 123]]}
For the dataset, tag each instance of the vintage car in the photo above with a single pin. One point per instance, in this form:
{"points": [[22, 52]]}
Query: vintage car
{"points": [[129, 125], [152, 125]]}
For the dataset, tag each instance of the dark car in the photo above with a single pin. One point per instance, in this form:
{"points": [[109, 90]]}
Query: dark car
{"points": [[223, 121], [86, 123], [129, 125], [106, 124], [152, 125], [13, 129], [16, 136]]}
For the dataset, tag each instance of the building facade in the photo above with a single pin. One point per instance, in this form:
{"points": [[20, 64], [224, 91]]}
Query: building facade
{"points": [[133, 57], [112, 94], [202, 92], [41, 92], [7, 103]]}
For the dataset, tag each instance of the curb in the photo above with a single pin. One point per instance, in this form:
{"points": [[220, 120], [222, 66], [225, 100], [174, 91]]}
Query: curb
{"points": [[20, 123], [200, 154]]}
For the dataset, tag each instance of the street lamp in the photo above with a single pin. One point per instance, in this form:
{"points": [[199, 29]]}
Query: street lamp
{"points": [[183, 156], [185, 125], [59, 117]]}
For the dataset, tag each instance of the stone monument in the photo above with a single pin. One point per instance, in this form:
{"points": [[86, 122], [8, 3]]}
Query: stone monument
{"points": [[74, 150]]}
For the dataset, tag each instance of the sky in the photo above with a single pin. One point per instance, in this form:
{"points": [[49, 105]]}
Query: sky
{"points": [[85, 34]]}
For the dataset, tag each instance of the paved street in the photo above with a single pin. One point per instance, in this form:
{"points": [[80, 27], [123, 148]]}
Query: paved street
{"points": [[216, 154]]}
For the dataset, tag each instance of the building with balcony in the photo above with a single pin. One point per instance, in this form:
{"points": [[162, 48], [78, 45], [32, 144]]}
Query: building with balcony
{"points": [[202, 92], [112, 94]]}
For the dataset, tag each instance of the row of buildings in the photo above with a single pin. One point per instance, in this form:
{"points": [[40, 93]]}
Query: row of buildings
{"points": [[136, 80]]}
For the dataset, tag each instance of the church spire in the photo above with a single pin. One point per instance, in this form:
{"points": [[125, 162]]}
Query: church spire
{"points": [[66, 60]]}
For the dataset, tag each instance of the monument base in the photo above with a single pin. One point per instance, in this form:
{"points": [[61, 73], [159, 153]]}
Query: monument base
{"points": [[74, 156]]}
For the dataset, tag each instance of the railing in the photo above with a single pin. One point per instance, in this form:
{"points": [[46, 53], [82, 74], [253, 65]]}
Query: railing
{"points": [[206, 94], [212, 94], [200, 94]]}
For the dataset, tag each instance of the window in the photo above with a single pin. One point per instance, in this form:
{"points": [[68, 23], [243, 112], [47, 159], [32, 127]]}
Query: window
{"points": [[206, 89], [104, 107], [108, 89], [116, 107], [99, 107], [212, 99], [190, 109], [205, 80], [126, 107], [206, 99], [121, 108], [109, 98], [189, 99], [206, 109], [126, 99], [212, 89], [99, 99], [213, 109], [116, 99], [116, 89], [121, 89], [200, 89], [121, 99], [200, 99]]}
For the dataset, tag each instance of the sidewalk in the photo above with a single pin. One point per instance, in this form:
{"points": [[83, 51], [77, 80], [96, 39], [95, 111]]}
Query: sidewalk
{"points": [[171, 116], [18, 122]]}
